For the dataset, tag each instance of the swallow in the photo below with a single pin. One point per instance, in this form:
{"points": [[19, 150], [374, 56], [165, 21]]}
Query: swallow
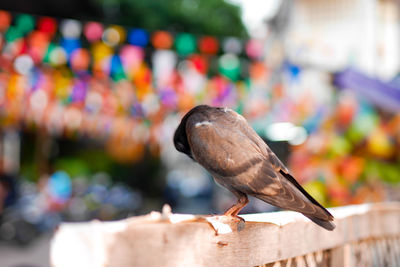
{"points": [[238, 159]]}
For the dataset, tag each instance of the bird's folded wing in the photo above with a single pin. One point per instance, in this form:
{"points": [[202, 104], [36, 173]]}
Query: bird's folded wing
{"points": [[290, 195], [222, 148], [230, 148]]}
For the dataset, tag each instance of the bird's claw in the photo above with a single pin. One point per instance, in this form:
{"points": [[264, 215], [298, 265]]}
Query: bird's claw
{"points": [[239, 220]]}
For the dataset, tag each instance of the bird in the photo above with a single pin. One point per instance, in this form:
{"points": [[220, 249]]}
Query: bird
{"points": [[222, 141]]}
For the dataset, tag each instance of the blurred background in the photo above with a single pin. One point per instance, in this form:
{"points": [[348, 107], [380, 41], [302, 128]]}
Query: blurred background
{"points": [[91, 92]]}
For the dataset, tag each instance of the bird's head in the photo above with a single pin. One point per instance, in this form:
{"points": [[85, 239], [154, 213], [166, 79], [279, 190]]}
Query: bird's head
{"points": [[181, 142]]}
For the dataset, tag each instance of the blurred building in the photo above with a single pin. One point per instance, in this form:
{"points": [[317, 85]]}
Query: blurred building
{"points": [[335, 34]]}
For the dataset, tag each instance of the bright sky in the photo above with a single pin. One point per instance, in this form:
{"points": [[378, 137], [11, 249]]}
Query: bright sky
{"points": [[255, 11]]}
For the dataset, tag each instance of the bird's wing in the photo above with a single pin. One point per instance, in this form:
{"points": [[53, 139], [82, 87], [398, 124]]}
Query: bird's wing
{"points": [[228, 147], [221, 146], [289, 194]]}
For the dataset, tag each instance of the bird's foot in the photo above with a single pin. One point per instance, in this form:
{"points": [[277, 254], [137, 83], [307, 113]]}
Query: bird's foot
{"points": [[241, 223], [238, 218], [224, 224]]}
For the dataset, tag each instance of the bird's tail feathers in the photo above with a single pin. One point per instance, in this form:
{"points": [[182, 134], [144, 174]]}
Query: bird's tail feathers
{"points": [[328, 225], [306, 194]]}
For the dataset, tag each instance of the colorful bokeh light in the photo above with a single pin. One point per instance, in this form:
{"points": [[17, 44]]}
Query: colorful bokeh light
{"points": [[162, 40]]}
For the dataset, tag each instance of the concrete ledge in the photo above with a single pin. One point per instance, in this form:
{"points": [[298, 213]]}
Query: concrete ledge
{"points": [[165, 239]]}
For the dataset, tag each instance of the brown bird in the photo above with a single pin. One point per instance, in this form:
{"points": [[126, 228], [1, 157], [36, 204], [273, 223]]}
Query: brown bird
{"points": [[223, 142]]}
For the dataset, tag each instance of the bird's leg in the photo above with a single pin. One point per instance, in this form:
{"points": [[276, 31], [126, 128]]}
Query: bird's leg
{"points": [[235, 209]]}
